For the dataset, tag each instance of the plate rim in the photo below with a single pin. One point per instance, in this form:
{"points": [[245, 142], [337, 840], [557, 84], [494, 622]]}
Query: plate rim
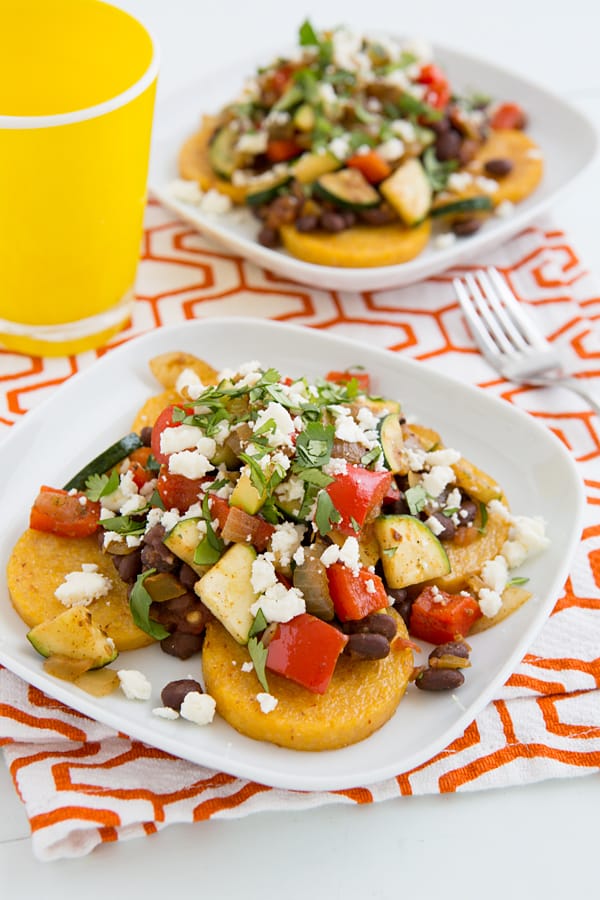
{"points": [[299, 781]]}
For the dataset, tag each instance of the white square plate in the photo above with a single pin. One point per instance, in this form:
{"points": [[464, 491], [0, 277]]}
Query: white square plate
{"points": [[567, 140], [97, 406]]}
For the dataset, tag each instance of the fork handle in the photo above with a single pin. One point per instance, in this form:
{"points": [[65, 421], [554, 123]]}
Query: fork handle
{"points": [[571, 384]]}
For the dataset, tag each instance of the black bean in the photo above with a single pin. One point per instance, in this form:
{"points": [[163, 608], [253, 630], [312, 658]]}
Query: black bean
{"points": [[467, 512], [268, 237], [349, 218], [333, 222], [448, 525], [368, 646], [146, 435], [174, 693], [159, 557], [498, 167], [182, 645], [447, 145], [380, 215], [466, 227], [454, 648], [381, 623], [128, 566], [154, 535], [439, 679], [187, 576], [308, 222], [185, 613], [402, 603]]}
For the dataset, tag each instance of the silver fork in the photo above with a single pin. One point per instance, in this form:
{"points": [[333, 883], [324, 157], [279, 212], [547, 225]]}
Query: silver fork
{"points": [[508, 338]]}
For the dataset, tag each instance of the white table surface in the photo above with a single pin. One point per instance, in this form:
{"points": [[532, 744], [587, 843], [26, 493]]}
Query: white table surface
{"points": [[531, 841]]}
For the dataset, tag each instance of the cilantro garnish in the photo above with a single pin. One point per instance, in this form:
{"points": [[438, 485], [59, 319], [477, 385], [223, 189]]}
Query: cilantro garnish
{"points": [[156, 500], [370, 456], [416, 497], [307, 36], [152, 464], [314, 445], [258, 654], [139, 603], [514, 582], [438, 172], [410, 106], [211, 547], [484, 518], [259, 624], [326, 514], [97, 486], [125, 524]]}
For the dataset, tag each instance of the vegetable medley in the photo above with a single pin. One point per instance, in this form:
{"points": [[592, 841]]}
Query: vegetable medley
{"points": [[309, 518], [354, 130]]}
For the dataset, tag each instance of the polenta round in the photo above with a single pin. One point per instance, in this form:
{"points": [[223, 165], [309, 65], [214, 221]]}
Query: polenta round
{"points": [[38, 565], [361, 697]]}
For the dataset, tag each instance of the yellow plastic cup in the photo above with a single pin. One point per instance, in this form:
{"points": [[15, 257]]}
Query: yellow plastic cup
{"points": [[77, 88]]}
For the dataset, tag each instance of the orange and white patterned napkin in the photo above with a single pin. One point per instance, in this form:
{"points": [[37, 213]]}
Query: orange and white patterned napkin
{"points": [[83, 783]]}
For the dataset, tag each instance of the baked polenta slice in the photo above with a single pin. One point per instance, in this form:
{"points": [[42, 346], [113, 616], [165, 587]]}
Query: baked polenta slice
{"points": [[361, 697]]}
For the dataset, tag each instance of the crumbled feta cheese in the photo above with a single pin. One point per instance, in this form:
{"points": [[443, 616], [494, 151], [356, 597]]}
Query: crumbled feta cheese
{"points": [[445, 240], [370, 586], [253, 143], [340, 148], [504, 210], [336, 466], [350, 554], [189, 386], [126, 489], [391, 149], [490, 602], [169, 519], [445, 457], [165, 712], [267, 702], [181, 437], [247, 666], [285, 540], [189, 463], [133, 504], [434, 525], [404, 129], [263, 574], [366, 418], [486, 184], [89, 567], [494, 574], [459, 181], [186, 191], [215, 203], [514, 553], [198, 708], [415, 458], [280, 604], [80, 588], [454, 499], [327, 95], [346, 46], [435, 481], [282, 422], [496, 507], [291, 489], [133, 540], [530, 531], [134, 684], [330, 555]]}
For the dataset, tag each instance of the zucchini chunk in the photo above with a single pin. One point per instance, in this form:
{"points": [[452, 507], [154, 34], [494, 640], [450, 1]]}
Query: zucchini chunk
{"points": [[182, 540], [348, 188], [264, 192], [408, 191], [245, 496], [105, 461], [410, 552], [222, 153], [226, 590], [392, 442], [73, 634], [311, 166], [467, 205]]}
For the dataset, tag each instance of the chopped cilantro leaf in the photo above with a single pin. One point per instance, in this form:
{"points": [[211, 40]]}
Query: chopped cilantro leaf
{"points": [[258, 655], [97, 486], [139, 604], [416, 497], [514, 582], [326, 514], [484, 518], [259, 624], [124, 524]]}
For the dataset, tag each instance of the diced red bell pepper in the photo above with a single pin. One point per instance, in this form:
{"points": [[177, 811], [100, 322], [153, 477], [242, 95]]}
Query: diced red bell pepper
{"points": [[305, 650], [165, 420], [138, 460], [438, 90], [59, 512], [371, 165], [439, 617], [363, 379], [177, 491], [357, 494], [355, 595], [509, 115], [282, 150], [392, 495], [219, 509]]}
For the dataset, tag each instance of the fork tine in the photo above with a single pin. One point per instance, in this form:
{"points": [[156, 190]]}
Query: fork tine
{"points": [[493, 326], [511, 330], [513, 308], [478, 330]]}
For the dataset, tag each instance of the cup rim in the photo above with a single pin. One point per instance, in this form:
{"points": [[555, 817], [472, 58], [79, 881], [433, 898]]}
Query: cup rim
{"points": [[99, 109]]}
